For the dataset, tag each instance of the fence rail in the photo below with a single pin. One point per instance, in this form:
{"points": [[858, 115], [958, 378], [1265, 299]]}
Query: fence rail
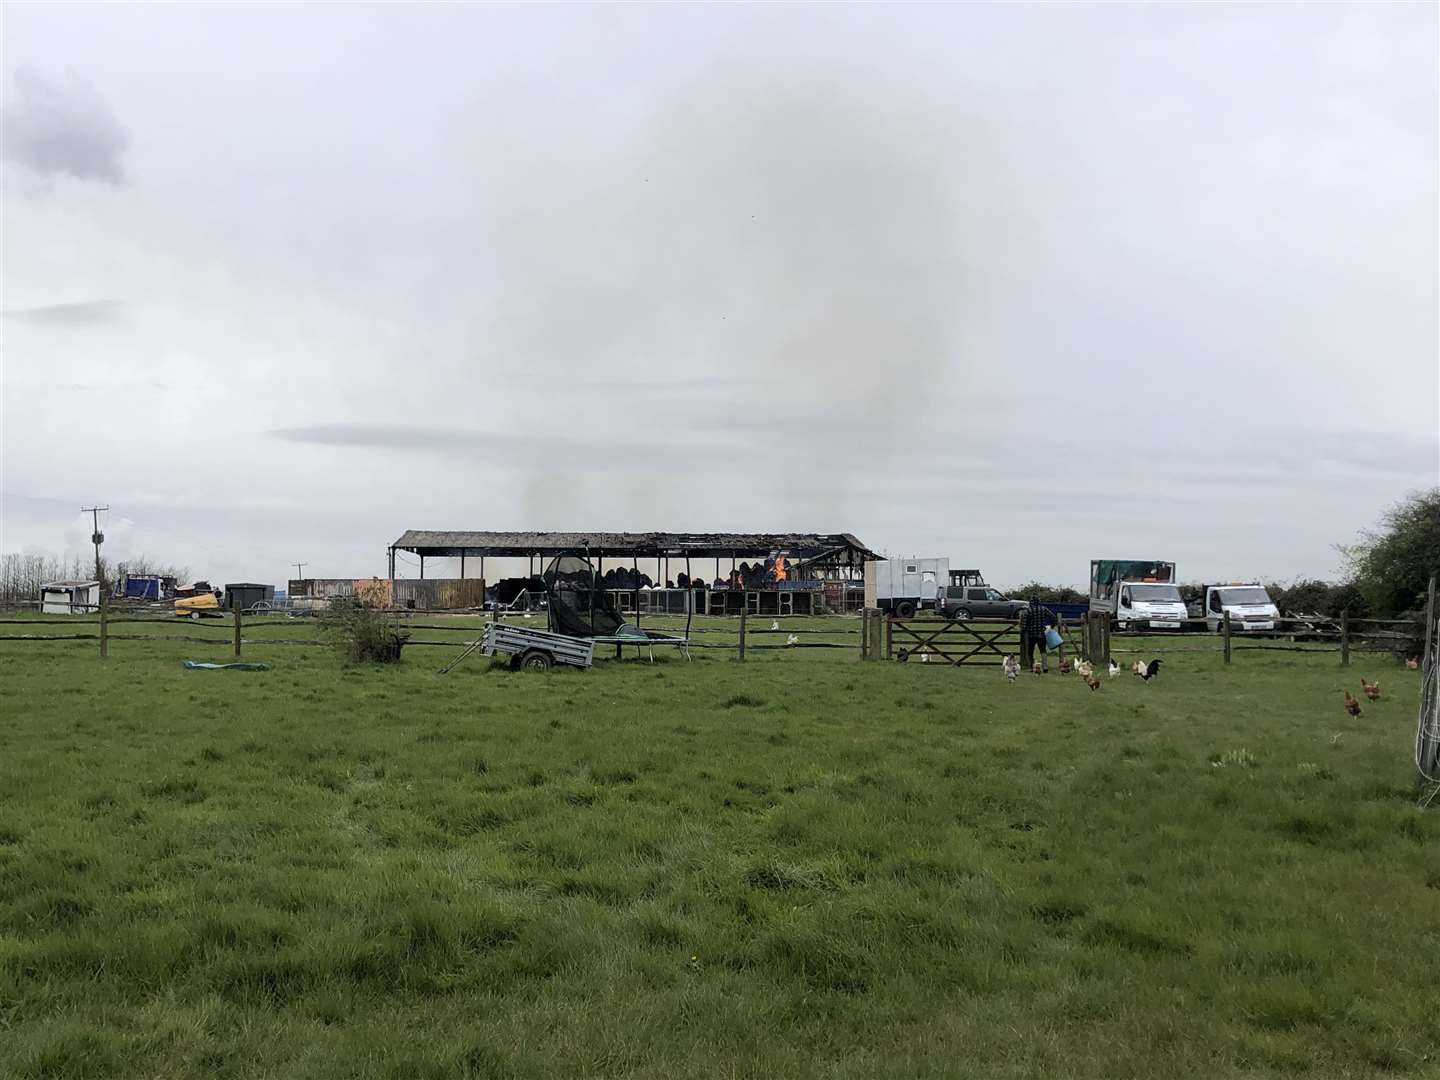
{"points": [[873, 635]]}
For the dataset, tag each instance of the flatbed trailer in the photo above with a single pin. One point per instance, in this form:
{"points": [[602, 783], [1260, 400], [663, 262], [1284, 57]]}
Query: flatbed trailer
{"points": [[536, 649]]}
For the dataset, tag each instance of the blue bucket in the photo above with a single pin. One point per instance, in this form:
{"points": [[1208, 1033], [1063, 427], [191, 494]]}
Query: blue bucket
{"points": [[1052, 638]]}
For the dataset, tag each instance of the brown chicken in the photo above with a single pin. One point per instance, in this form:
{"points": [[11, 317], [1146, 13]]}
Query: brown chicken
{"points": [[1036, 668], [1371, 689], [1351, 705], [1066, 666], [1413, 663], [1092, 682]]}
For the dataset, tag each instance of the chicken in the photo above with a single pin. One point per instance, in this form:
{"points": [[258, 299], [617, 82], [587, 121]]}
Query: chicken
{"points": [[1084, 668], [1012, 668], [1036, 668], [1066, 666], [1114, 669], [1351, 705], [1092, 682], [1370, 689], [1413, 663], [793, 639], [775, 624], [1138, 668], [1151, 670]]}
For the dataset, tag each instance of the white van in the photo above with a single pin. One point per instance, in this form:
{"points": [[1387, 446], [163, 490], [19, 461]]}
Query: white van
{"points": [[1249, 605], [1137, 593]]}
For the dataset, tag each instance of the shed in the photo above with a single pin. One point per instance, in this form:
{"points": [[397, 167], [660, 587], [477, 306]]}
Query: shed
{"points": [[247, 596], [69, 597]]}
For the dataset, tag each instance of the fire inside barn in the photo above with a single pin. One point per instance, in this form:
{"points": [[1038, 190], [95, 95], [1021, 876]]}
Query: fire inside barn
{"points": [[760, 573]]}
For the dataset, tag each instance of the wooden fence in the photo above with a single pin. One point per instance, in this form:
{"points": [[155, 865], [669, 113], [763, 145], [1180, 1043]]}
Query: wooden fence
{"points": [[874, 636]]}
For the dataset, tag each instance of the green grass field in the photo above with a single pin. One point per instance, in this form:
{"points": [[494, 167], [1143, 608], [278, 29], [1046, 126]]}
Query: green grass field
{"points": [[798, 866]]}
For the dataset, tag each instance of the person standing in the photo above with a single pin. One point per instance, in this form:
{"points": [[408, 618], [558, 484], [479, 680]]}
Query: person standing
{"points": [[1033, 623]]}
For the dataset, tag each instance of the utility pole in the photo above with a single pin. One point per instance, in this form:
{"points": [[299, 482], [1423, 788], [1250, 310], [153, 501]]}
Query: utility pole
{"points": [[97, 538], [300, 566]]}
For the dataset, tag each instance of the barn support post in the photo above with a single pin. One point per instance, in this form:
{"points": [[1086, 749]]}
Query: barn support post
{"points": [[391, 551], [237, 627], [741, 654], [482, 567], [1227, 635], [1345, 638], [462, 565], [422, 566]]}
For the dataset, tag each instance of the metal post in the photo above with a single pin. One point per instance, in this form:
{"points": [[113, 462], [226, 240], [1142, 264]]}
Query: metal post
{"points": [[741, 656], [1429, 623], [1227, 635], [1345, 638], [237, 627]]}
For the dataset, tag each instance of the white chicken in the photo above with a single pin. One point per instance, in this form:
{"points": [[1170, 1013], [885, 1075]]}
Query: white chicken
{"points": [[1114, 669]]}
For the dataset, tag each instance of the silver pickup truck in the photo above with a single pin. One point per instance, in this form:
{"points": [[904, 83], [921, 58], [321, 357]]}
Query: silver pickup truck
{"points": [[961, 602]]}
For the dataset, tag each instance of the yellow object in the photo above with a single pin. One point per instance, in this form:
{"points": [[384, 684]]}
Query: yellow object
{"points": [[197, 607]]}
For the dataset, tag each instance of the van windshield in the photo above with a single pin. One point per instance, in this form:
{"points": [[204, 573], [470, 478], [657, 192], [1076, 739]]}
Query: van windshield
{"points": [[1155, 594], [1255, 595]]}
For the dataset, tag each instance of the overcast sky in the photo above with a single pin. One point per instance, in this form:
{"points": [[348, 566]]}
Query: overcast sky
{"points": [[1020, 285]]}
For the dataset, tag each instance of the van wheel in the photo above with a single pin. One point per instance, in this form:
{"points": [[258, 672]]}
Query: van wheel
{"points": [[535, 660], [905, 609]]}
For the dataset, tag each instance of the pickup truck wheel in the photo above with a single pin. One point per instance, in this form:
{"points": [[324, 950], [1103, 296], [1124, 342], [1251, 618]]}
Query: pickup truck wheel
{"points": [[905, 609], [535, 660], [960, 615]]}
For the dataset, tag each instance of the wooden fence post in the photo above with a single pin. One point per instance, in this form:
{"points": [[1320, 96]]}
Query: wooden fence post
{"points": [[104, 628], [864, 634], [237, 628], [1227, 635], [1345, 638], [889, 636], [741, 655]]}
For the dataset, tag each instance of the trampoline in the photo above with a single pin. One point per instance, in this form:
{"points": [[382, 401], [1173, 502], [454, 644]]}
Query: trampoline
{"points": [[579, 606]]}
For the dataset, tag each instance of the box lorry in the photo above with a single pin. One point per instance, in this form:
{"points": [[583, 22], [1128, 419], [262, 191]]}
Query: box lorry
{"points": [[1249, 605], [1137, 593], [906, 586]]}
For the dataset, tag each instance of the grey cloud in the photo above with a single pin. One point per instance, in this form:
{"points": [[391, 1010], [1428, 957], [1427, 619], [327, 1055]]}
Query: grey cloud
{"points": [[62, 128], [85, 313]]}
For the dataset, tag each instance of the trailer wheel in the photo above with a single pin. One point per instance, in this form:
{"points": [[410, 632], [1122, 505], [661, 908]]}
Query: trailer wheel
{"points": [[195, 615], [536, 660], [905, 609]]}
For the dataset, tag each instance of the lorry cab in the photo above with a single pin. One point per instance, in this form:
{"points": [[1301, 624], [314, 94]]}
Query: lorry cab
{"points": [[1155, 604], [1249, 605]]}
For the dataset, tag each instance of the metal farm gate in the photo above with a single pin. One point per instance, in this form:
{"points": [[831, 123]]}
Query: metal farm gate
{"points": [[977, 641]]}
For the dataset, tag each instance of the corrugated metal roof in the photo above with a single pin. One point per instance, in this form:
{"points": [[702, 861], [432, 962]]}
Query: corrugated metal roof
{"points": [[69, 584], [431, 542]]}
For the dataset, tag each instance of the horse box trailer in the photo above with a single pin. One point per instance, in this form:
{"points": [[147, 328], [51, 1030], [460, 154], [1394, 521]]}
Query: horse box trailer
{"points": [[904, 586]]}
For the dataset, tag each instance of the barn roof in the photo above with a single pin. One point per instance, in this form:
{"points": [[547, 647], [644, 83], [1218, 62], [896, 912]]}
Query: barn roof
{"points": [[647, 544]]}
